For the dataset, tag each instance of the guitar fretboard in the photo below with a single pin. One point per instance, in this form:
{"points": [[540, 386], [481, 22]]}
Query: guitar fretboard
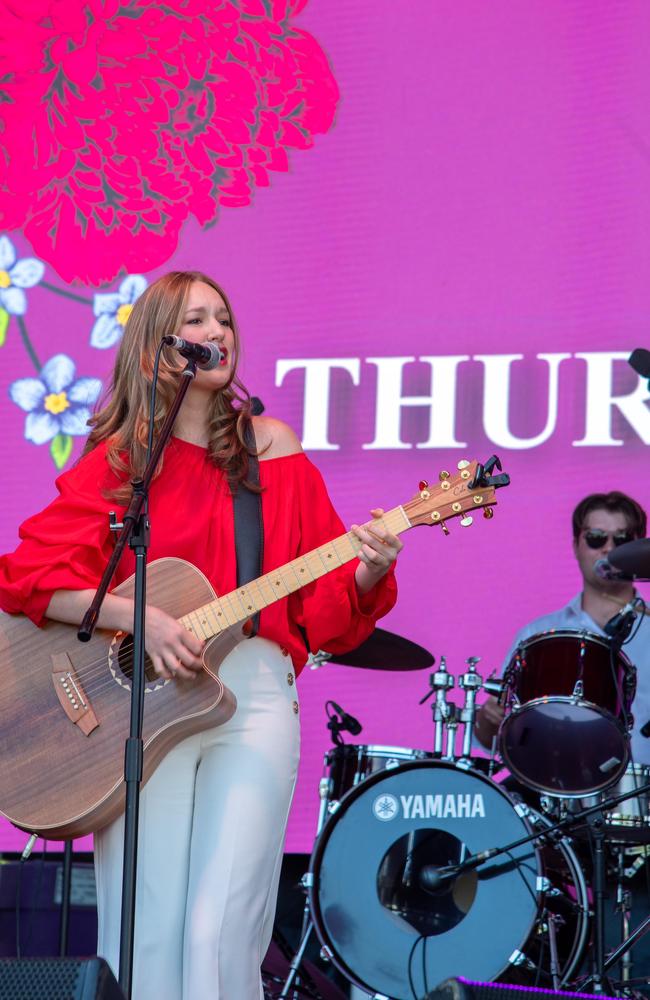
{"points": [[241, 604]]}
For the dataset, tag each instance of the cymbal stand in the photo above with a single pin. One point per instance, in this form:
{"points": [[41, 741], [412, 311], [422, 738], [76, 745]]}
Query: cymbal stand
{"points": [[623, 906], [596, 822], [630, 940], [292, 981]]}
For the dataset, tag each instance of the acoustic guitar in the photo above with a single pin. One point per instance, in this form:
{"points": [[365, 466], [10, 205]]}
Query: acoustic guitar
{"points": [[65, 705]]}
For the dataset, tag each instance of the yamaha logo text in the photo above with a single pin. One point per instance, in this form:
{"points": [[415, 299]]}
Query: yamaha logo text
{"points": [[386, 807]]}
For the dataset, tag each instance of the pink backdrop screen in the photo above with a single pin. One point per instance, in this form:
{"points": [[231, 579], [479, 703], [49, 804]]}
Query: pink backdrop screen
{"points": [[433, 223]]}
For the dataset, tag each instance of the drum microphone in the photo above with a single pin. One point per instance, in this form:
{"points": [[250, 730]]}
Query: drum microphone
{"points": [[207, 356], [348, 723], [604, 569], [621, 624], [431, 877]]}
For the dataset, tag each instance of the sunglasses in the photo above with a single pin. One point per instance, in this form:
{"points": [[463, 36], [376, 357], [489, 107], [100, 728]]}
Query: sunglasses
{"points": [[595, 539]]}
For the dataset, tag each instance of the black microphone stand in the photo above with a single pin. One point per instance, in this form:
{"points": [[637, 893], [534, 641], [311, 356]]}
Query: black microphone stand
{"points": [[134, 530]]}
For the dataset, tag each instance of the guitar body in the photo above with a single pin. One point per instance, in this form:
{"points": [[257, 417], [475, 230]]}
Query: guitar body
{"points": [[59, 781]]}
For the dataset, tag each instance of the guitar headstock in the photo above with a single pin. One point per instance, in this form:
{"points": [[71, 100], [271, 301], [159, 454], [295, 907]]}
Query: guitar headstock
{"points": [[471, 489]]}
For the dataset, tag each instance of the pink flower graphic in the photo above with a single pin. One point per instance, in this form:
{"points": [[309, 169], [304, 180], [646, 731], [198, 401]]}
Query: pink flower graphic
{"points": [[120, 118]]}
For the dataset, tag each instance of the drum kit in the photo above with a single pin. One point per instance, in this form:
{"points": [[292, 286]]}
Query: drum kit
{"points": [[434, 864]]}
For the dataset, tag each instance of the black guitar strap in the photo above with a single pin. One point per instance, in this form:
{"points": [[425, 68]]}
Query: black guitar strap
{"points": [[249, 527]]}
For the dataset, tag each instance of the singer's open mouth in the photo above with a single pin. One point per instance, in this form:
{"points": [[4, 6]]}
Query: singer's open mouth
{"points": [[224, 357]]}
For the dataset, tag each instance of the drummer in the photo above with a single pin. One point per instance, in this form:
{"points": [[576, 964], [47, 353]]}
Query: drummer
{"points": [[600, 522]]}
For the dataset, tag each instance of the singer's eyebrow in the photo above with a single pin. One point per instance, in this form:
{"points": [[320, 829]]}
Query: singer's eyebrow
{"points": [[222, 311]]}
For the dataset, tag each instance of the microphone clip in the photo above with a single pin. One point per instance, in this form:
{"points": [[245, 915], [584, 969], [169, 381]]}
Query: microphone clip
{"points": [[340, 722]]}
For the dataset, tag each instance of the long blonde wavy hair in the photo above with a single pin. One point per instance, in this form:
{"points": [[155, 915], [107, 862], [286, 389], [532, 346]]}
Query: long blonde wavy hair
{"points": [[124, 422]]}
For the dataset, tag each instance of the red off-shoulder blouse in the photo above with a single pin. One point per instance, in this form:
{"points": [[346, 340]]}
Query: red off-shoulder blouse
{"points": [[67, 545]]}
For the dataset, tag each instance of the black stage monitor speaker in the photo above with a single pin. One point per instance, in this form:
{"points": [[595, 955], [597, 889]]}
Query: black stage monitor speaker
{"points": [[467, 989], [57, 979]]}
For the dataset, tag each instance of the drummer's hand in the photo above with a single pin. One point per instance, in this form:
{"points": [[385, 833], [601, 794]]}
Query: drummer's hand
{"points": [[377, 554], [492, 711], [174, 651], [488, 719]]}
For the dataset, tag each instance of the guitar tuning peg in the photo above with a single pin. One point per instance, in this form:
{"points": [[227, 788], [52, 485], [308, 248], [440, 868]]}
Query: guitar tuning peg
{"points": [[488, 513], [423, 484], [463, 464], [445, 529], [466, 521], [443, 475]]}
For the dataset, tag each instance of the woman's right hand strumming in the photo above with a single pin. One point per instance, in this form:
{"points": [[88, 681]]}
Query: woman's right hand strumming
{"points": [[173, 650]]}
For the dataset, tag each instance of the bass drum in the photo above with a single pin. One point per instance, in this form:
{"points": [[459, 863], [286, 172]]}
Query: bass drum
{"points": [[394, 928]]}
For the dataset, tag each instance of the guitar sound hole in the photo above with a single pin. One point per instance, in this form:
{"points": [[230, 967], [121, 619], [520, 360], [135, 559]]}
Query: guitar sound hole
{"points": [[125, 661]]}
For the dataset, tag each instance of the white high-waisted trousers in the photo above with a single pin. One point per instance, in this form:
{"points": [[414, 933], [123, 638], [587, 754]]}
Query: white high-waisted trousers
{"points": [[211, 833]]}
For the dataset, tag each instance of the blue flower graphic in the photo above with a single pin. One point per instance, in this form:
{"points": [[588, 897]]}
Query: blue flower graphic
{"points": [[16, 275], [112, 310], [55, 403]]}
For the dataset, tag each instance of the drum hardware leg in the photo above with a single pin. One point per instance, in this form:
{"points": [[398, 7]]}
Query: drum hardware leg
{"points": [[629, 942], [552, 944], [294, 965], [493, 756], [623, 906], [596, 822]]}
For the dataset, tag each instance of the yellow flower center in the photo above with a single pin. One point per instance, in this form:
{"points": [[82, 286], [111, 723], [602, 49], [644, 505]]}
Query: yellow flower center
{"points": [[56, 402], [123, 313], [5, 280]]}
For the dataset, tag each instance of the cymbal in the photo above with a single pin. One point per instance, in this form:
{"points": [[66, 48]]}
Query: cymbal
{"points": [[384, 651], [632, 558]]}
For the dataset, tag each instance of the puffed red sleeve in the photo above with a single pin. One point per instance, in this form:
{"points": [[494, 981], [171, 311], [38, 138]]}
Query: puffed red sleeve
{"points": [[66, 545], [335, 617]]}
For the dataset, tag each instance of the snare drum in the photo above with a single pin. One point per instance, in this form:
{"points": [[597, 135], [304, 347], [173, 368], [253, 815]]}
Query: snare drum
{"points": [[566, 731], [391, 933]]}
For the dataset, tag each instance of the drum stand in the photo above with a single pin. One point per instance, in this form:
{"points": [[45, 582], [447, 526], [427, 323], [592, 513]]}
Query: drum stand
{"points": [[597, 829], [292, 982], [630, 938], [623, 906]]}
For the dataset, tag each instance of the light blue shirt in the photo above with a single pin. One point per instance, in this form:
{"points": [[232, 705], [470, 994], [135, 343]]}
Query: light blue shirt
{"points": [[637, 649]]}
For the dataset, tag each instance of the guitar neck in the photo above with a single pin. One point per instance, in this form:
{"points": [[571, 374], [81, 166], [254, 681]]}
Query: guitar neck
{"points": [[241, 604]]}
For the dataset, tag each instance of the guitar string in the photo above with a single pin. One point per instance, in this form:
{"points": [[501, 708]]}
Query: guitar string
{"points": [[96, 676], [88, 674]]}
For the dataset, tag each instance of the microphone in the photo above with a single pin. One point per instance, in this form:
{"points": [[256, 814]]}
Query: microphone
{"points": [[207, 356], [604, 569], [431, 877], [348, 723], [621, 624], [645, 730], [640, 361]]}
